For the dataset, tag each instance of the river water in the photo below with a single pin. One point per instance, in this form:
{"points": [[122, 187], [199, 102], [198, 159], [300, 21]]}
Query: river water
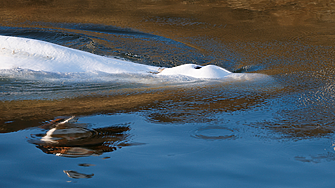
{"points": [[78, 130]]}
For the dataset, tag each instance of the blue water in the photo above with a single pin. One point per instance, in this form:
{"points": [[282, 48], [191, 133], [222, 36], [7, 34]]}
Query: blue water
{"points": [[222, 154]]}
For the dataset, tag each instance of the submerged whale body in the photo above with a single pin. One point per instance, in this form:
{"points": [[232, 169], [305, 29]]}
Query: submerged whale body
{"points": [[36, 55]]}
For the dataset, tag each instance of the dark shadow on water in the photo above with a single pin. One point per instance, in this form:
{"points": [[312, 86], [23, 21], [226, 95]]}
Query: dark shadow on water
{"points": [[64, 137]]}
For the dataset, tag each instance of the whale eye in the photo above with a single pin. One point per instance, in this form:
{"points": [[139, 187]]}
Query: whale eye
{"points": [[197, 67]]}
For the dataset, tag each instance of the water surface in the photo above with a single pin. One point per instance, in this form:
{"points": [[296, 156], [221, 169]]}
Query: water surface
{"points": [[85, 131]]}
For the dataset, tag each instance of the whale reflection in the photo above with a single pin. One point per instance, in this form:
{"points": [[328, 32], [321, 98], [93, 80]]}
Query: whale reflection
{"points": [[67, 138]]}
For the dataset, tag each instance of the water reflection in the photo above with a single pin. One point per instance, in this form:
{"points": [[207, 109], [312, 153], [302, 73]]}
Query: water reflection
{"points": [[289, 12], [202, 104], [214, 133], [67, 138], [77, 175], [86, 165]]}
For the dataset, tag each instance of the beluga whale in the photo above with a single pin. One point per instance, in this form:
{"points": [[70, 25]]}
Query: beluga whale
{"points": [[37, 55]]}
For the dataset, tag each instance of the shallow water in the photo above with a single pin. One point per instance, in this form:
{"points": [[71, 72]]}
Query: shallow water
{"points": [[84, 130]]}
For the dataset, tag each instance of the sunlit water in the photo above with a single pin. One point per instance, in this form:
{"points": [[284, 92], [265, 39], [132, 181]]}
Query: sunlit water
{"points": [[102, 130]]}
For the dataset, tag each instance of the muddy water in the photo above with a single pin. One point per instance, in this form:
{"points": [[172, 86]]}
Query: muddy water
{"points": [[272, 133]]}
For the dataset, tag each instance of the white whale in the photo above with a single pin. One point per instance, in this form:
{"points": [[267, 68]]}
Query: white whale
{"points": [[16, 52], [196, 71], [36, 55]]}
